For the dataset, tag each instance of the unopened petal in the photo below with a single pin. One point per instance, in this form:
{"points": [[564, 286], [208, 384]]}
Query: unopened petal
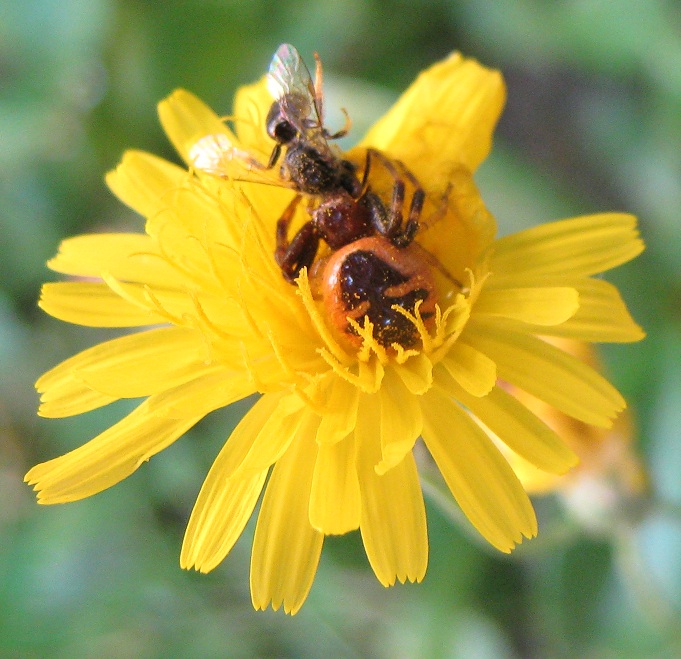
{"points": [[340, 411], [446, 117], [401, 421], [472, 369]]}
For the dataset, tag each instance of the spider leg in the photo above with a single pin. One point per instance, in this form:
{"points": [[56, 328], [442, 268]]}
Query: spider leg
{"points": [[399, 232], [299, 253]]}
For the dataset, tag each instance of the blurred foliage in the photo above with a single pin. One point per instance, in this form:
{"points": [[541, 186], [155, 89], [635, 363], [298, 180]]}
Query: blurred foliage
{"points": [[593, 123]]}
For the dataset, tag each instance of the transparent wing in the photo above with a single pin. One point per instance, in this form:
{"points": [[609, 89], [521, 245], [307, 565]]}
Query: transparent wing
{"points": [[216, 155], [288, 75], [290, 83]]}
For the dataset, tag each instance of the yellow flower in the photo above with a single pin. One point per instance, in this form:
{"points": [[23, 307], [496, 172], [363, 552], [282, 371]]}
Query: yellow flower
{"points": [[336, 422], [609, 475]]}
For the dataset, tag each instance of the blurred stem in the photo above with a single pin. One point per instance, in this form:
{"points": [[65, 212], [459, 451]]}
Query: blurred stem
{"points": [[653, 605]]}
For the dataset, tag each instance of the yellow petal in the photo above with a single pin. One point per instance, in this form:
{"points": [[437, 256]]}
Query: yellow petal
{"points": [[393, 521], [142, 364], [280, 424], [128, 367], [401, 421], [286, 548], [540, 306], [578, 247], [416, 374], [232, 486], [126, 256], [519, 429], [458, 239], [69, 399], [108, 458], [480, 479], [213, 387], [335, 498], [445, 118], [340, 411], [186, 119], [548, 373], [223, 508], [251, 105], [93, 305], [142, 181], [472, 369], [602, 316], [178, 305]]}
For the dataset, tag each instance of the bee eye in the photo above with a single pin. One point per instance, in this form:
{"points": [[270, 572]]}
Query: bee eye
{"points": [[278, 127], [284, 132]]}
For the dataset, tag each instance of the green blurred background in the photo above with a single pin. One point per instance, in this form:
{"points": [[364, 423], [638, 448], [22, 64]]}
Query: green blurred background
{"points": [[593, 123]]}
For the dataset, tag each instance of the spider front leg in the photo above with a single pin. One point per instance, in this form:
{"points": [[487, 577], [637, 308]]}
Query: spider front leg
{"points": [[391, 222], [299, 253]]}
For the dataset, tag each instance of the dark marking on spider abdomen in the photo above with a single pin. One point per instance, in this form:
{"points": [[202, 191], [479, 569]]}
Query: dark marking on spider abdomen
{"points": [[366, 279]]}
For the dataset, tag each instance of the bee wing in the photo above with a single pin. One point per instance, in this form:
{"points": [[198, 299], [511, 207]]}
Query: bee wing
{"points": [[216, 155], [290, 83], [288, 75]]}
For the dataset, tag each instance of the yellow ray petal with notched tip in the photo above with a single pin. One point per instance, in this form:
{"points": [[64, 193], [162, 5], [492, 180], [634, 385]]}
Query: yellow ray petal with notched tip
{"points": [[230, 492], [108, 458], [131, 366], [142, 181], [548, 373], [221, 512], [517, 427], [577, 247], [393, 520], [480, 479], [286, 548], [602, 314]]}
